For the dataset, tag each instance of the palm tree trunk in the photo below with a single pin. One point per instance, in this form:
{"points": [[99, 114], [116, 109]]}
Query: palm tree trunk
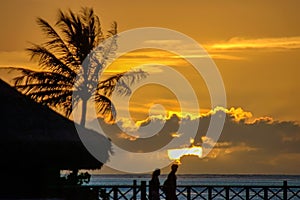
{"points": [[83, 112]]}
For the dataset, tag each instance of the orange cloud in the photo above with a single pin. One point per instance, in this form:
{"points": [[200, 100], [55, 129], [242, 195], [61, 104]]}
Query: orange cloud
{"points": [[236, 114], [238, 43], [223, 148], [145, 59], [127, 137]]}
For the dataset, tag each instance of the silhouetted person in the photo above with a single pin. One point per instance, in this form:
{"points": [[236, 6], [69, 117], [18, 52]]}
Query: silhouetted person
{"points": [[170, 184], [154, 185], [73, 177]]}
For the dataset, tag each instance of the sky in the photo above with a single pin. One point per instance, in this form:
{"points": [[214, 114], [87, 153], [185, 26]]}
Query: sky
{"points": [[254, 44]]}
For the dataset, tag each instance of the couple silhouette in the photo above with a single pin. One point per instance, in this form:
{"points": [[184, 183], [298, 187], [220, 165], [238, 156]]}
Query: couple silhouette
{"points": [[169, 186]]}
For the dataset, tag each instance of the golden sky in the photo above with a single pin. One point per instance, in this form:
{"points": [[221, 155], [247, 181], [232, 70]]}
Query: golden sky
{"points": [[255, 45]]}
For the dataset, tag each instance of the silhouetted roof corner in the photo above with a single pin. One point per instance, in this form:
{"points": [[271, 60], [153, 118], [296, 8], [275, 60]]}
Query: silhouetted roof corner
{"points": [[36, 136]]}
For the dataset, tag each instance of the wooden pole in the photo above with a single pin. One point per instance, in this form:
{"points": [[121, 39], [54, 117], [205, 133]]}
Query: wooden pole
{"points": [[149, 191], [227, 193], [247, 193], [266, 193], [188, 191], [115, 189], [285, 188], [134, 190], [143, 190], [209, 192]]}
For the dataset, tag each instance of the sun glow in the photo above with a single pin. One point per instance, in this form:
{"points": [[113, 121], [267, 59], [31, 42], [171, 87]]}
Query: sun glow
{"points": [[176, 154]]}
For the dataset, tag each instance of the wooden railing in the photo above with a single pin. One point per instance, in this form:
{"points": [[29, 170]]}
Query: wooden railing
{"points": [[191, 192]]}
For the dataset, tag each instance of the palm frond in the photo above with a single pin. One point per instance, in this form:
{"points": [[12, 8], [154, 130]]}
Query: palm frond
{"points": [[120, 82], [30, 76], [113, 29], [49, 61], [55, 42], [57, 99], [105, 107]]}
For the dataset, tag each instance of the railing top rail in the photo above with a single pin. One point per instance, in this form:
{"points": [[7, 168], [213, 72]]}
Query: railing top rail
{"points": [[219, 186]]}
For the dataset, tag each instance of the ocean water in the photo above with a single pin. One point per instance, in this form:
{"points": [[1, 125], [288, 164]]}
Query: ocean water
{"points": [[201, 179]]}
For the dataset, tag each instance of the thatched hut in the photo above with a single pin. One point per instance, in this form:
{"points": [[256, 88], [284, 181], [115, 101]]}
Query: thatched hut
{"points": [[36, 143]]}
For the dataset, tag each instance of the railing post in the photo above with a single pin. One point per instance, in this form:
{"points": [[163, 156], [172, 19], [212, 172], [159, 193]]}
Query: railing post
{"points": [[247, 193], [103, 194], [285, 188], [266, 193], [134, 190], [227, 192], [188, 192], [149, 191], [143, 190], [209, 190], [115, 189]]}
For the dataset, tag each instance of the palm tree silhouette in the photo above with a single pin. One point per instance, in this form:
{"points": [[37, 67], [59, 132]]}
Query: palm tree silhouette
{"points": [[71, 61]]}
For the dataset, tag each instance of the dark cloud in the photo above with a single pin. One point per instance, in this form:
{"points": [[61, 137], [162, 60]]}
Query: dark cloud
{"points": [[262, 146], [133, 143]]}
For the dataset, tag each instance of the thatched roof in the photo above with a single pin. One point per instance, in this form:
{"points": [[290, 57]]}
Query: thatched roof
{"points": [[32, 135]]}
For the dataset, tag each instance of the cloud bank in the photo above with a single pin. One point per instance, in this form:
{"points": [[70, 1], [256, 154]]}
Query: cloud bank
{"points": [[246, 145]]}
